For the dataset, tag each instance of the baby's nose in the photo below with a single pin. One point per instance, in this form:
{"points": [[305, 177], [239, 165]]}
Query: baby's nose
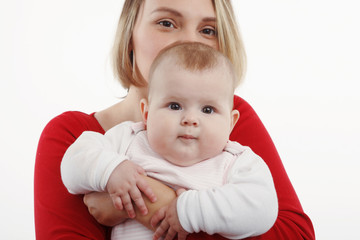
{"points": [[190, 120]]}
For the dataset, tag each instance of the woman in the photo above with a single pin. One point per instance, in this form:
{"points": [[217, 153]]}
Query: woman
{"points": [[146, 27]]}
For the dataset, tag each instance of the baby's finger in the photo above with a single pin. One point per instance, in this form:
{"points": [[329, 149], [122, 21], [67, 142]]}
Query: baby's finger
{"points": [[161, 230], [157, 217], [139, 201], [171, 233], [145, 188], [128, 205], [130, 210], [182, 236], [140, 170], [117, 202]]}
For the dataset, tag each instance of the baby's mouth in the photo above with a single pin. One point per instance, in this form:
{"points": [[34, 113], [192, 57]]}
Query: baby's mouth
{"points": [[187, 137]]}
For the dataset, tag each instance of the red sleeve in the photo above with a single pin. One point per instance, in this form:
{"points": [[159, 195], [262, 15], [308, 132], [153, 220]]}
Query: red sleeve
{"points": [[292, 223], [59, 214]]}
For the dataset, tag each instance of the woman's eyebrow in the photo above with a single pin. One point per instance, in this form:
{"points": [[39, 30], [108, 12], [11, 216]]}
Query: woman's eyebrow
{"points": [[209, 19], [169, 10], [178, 14]]}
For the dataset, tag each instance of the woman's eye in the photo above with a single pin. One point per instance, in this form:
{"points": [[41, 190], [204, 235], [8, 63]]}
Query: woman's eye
{"points": [[208, 110], [209, 31], [166, 23], [174, 106]]}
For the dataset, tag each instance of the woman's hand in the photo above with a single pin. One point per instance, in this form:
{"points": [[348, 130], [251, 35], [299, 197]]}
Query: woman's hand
{"points": [[125, 186], [101, 208], [169, 226]]}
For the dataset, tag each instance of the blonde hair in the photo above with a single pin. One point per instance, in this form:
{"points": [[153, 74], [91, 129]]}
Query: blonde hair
{"points": [[230, 43]]}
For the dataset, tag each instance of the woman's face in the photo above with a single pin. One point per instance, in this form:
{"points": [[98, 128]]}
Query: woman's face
{"points": [[163, 22]]}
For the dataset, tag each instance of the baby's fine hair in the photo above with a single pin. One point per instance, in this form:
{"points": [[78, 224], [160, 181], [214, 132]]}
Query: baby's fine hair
{"points": [[194, 56]]}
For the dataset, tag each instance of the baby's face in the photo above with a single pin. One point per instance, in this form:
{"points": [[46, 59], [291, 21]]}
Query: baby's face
{"points": [[190, 113]]}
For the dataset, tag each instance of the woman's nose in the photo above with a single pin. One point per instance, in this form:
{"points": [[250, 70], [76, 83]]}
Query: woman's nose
{"points": [[190, 35]]}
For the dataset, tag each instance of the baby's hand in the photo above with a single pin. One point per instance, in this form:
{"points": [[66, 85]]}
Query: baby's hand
{"points": [[126, 184], [170, 225]]}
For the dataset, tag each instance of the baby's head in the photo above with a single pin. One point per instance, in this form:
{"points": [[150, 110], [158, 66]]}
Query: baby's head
{"points": [[189, 112]]}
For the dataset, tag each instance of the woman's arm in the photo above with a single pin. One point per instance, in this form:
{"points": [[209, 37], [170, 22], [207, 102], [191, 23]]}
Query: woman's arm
{"points": [[101, 207], [59, 214], [292, 222]]}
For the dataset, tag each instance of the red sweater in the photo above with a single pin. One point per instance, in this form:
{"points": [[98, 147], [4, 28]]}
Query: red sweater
{"points": [[61, 215]]}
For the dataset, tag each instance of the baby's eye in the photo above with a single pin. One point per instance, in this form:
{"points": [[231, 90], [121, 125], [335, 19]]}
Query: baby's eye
{"points": [[174, 106], [166, 23], [208, 110]]}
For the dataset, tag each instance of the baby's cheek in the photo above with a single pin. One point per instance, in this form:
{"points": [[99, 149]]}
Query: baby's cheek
{"points": [[216, 140], [154, 140]]}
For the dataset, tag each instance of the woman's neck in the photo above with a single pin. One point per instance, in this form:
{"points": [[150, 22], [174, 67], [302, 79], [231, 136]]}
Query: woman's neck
{"points": [[126, 110]]}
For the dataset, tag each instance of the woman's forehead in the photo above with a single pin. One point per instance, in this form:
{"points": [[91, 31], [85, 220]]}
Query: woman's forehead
{"points": [[203, 8]]}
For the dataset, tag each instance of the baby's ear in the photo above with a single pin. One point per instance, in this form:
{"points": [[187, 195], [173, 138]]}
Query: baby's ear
{"points": [[144, 109], [235, 115]]}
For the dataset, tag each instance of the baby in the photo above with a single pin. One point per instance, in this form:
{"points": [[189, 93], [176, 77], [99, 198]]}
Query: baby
{"points": [[183, 142]]}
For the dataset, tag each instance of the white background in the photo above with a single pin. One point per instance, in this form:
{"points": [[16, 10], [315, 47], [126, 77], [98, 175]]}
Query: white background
{"points": [[302, 79]]}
